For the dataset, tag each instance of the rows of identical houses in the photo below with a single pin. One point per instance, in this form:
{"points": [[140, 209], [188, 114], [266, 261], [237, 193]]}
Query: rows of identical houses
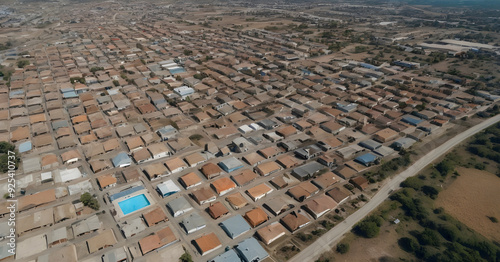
{"points": [[240, 140]]}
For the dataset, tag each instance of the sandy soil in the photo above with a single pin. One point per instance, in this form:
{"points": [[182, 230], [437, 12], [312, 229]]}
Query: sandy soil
{"points": [[472, 198], [373, 249]]}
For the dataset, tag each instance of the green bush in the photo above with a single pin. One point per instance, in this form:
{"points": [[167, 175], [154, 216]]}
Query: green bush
{"points": [[429, 237], [408, 244], [369, 227], [413, 182], [22, 63], [343, 248], [186, 257], [493, 219], [449, 232]]}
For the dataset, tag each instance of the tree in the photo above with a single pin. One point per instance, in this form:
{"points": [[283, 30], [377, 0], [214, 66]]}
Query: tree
{"points": [[186, 257], [88, 200], [368, 229], [445, 167], [408, 244], [449, 232], [430, 191], [413, 182], [187, 52], [5, 147], [343, 248], [22, 63], [429, 237], [96, 68]]}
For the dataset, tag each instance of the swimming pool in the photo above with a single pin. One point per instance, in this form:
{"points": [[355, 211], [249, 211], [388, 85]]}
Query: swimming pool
{"points": [[133, 204]]}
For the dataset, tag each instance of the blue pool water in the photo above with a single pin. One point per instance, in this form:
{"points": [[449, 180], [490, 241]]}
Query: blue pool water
{"points": [[134, 203]]}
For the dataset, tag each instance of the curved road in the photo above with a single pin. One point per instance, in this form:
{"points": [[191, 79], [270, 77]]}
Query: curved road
{"points": [[328, 240]]}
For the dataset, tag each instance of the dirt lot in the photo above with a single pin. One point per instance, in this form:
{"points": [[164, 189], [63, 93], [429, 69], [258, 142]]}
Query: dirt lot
{"points": [[382, 248], [472, 198]]}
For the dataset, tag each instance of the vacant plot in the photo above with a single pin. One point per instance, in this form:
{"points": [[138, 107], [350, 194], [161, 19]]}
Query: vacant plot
{"points": [[473, 199], [383, 247]]}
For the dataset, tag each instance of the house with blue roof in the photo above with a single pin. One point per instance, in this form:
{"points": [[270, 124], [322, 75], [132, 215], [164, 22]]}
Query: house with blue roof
{"points": [[367, 159], [228, 256], [347, 108], [167, 188], [231, 164], [251, 251], [235, 226], [121, 160], [25, 147], [411, 120], [167, 132]]}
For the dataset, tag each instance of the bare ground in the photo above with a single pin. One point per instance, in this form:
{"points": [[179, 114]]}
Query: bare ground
{"points": [[472, 198]]}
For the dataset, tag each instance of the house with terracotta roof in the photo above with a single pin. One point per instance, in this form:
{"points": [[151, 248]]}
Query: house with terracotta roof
{"points": [[332, 127], [105, 239], [286, 131], [141, 155], [157, 240], [320, 206], [70, 157], [106, 181], [36, 199], [303, 191], [154, 217], [203, 195], [134, 143], [259, 191], [271, 233], [270, 152], [338, 194], [244, 177], [288, 161], [155, 171], [256, 216], [295, 221], [253, 158], [236, 201], [190, 180], [268, 168], [175, 165], [111, 144], [223, 185], [195, 159], [217, 210], [385, 135], [159, 150], [326, 180], [360, 182], [207, 243], [211, 170]]}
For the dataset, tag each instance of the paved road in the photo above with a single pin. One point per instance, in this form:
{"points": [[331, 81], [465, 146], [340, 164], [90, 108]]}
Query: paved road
{"points": [[328, 240]]}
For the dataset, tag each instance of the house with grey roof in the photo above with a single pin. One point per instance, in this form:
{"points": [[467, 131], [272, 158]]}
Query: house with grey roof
{"points": [[179, 206], [235, 226], [121, 160], [228, 256], [193, 223], [251, 251], [307, 171]]}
